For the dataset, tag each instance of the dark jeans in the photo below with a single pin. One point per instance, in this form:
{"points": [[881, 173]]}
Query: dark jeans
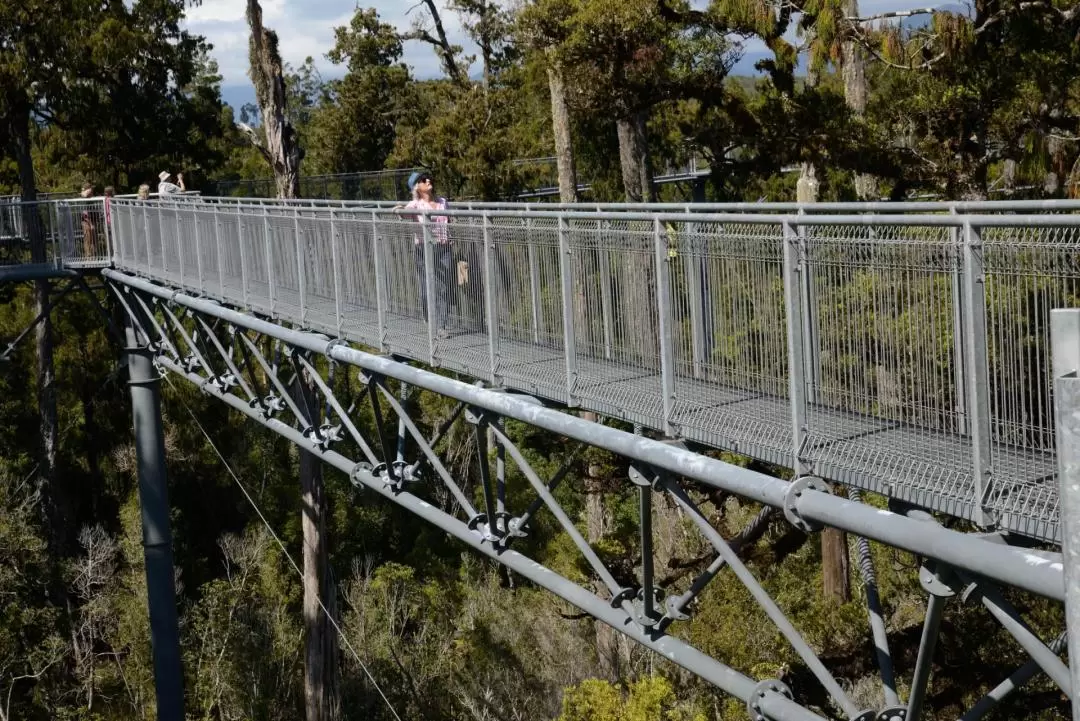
{"points": [[443, 257]]}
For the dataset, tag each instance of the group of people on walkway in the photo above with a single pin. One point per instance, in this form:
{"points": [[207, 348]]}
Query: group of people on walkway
{"points": [[94, 228]]}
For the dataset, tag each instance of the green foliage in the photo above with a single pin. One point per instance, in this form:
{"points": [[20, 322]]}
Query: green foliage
{"points": [[650, 699]]}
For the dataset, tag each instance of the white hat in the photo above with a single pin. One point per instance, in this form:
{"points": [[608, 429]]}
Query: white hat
{"points": [[163, 175]]}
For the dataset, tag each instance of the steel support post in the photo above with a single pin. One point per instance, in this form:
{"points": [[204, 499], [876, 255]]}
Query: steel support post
{"points": [[401, 431], [378, 254], [491, 308], [603, 260], [335, 260], [1065, 330], [566, 271], [956, 278], [271, 285], [179, 249], [977, 370], [429, 285], [243, 259], [534, 284], [666, 317], [1018, 678], [198, 251], [932, 624], [1010, 619], [301, 267], [157, 537], [793, 299], [811, 337]]}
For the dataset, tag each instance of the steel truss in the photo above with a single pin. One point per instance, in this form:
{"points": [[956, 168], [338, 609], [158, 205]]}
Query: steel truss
{"points": [[250, 364]]}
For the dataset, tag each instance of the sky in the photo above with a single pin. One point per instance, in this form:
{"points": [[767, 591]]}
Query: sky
{"points": [[306, 28]]}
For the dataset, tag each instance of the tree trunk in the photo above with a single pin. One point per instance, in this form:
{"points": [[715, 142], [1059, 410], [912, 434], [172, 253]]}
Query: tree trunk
{"points": [[282, 147], [317, 635], [560, 123], [634, 157], [853, 63], [52, 501], [834, 561]]}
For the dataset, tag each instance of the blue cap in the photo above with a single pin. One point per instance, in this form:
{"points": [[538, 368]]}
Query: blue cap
{"points": [[415, 178]]}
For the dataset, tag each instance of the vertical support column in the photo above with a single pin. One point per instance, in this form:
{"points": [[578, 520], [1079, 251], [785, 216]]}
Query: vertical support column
{"points": [[179, 246], [220, 259], [429, 284], [956, 278], [146, 237], [925, 660], [1065, 348], [157, 538], [811, 337], [490, 306], [793, 302], [269, 262], [339, 321], [566, 273], [380, 282], [501, 515], [666, 318], [534, 285], [198, 251], [243, 259], [301, 269], [977, 371], [603, 260], [693, 260]]}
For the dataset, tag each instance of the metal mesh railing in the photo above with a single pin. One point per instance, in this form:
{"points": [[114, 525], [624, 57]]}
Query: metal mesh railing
{"points": [[903, 354]]}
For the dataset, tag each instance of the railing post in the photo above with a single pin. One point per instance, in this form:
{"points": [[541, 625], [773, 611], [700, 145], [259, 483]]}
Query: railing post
{"points": [[271, 286], [220, 259], [243, 259], [566, 272], [301, 270], [603, 256], [339, 320], [794, 269], [534, 284], [811, 340], [956, 278], [1065, 347], [179, 246], [429, 283], [380, 282], [490, 306], [156, 535], [693, 259], [198, 250], [977, 371], [666, 318], [146, 235]]}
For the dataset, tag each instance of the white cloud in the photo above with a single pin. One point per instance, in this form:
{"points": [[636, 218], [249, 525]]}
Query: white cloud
{"points": [[305, 29]]}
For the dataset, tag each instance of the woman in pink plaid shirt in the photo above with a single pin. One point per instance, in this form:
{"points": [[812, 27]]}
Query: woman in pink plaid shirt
{"points": [[423, 198]]}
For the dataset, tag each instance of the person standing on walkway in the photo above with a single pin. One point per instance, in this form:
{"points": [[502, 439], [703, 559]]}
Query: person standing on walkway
{"points": [[89, 230], [423, 198], [167, 188]]}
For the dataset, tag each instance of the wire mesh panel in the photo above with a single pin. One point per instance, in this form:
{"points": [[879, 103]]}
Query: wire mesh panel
{"points": [[86, 242], [1029, 271], [530, 348], [464, 343], [881, 378], [209, 264], [316, 256], [29, 233], [401, 247], [729, 336], [617, 352], [230, 253], [355, 240]]}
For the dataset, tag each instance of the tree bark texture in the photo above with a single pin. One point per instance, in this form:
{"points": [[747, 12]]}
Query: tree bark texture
{"points": [[560, 123], [320, 641], [856, 91], [282, 148], [634, 157], [52, 500]]}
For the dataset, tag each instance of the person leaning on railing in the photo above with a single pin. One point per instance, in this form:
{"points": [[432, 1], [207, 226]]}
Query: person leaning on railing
{"points": [[89, 231], [422, 188]]}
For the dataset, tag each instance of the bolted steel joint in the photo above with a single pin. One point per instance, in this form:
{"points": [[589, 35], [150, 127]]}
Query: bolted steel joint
{"points": [[515, 528], [354, 474], [225, 382], [867, 715], [753, 704], [625, 594], [272, 404], [671, 604], [475, 416], [897, 713], [648, 620], [791, 500], [938, 579], [388, 477], [190, 362]]}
